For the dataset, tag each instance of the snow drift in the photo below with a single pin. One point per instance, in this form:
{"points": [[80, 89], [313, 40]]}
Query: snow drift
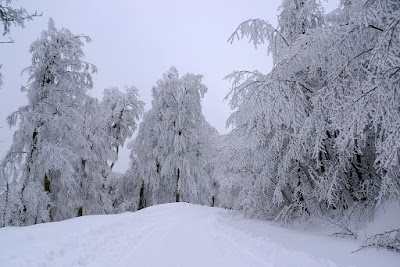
{"points": [[178, 234]]}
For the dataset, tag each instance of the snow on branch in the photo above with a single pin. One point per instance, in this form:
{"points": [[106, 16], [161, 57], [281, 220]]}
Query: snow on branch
{"points": [[257, 30], [10, 16], [389, 240]]}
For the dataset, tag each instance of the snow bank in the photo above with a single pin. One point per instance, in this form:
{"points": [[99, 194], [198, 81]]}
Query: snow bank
{"points": [[177, 235]]}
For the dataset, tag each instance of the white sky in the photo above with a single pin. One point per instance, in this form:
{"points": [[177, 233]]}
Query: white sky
{"points": [[134, 42]]}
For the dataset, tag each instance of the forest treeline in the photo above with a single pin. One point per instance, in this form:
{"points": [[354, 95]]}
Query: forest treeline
{"points": [[317, 137]]}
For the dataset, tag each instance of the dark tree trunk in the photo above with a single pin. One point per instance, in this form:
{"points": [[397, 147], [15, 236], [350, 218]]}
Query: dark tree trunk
{"points": [[177, 183], [142, 201]]}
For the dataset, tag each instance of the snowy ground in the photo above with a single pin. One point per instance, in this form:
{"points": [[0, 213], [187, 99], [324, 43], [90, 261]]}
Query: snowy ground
{"points": [[178, 235]]}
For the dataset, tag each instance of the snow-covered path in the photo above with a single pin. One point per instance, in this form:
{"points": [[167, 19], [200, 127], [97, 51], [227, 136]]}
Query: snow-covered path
{"points": [[177, 235]]}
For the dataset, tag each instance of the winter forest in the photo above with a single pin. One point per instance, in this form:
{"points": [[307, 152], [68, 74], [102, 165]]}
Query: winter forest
{"points": [[315, 139]]}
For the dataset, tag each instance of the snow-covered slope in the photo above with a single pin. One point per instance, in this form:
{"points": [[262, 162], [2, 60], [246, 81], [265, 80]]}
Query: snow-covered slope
{"points": [[178, 235]]}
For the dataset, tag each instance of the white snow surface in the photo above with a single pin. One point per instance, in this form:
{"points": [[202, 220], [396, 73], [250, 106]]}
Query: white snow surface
{"points": [[179, 234]]}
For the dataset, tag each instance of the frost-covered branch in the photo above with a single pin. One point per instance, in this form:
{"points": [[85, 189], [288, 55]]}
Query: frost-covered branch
{"points": [[10, 16], [389, 240]]}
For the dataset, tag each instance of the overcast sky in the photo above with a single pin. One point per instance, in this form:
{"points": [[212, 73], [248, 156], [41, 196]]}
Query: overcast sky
{"points": [[134, 42]]}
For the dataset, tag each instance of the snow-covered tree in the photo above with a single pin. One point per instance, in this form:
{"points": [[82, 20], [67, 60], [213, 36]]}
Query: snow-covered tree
{"points": [[121, 111], [43, 164], [125, 189], [318, 132], [10, 16], [362, 90], [173, 143], [263, 153], [93, 161], [106, 127], [298, 17]]}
